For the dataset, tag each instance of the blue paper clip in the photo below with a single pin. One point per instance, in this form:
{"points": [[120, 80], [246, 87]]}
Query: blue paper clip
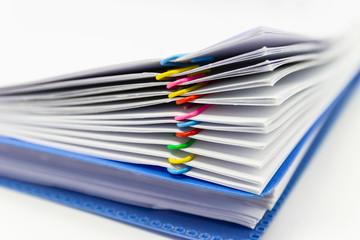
{"points": [[178, 171], [200, 60], [167, 61], [187, 124]]}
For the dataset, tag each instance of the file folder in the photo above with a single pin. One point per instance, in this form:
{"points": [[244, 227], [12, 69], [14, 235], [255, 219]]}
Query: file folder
{"points": [[20, 142]]}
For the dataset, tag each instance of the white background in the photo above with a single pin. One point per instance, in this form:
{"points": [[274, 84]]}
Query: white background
{"points": [[44, 38]]}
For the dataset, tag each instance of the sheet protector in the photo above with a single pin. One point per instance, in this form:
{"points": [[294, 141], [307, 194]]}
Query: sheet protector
{"points": [[204, 145]]}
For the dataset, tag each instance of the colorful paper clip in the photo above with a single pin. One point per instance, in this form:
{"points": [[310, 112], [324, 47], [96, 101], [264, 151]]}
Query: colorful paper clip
{"points": [[193, 76], [183, 145], [178, 171], [182, 160], [186, 90], [187, 124], [168, 61], [188, 133], [203, 60], [188, 99], [162, 76], [183, 80], [192, 114]]}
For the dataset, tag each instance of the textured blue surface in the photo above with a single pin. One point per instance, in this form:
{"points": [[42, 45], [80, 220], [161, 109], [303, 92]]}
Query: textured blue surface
{"points": [[170, 222]]}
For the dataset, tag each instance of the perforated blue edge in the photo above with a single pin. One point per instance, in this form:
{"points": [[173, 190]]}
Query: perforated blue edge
{"points": [[170, 222], [161, 173]]}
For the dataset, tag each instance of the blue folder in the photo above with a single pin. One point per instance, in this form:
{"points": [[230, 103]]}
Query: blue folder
{"points": [[171, 222]]}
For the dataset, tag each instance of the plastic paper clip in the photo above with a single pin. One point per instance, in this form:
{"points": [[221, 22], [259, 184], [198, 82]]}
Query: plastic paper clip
{"points": [[203, 60], [192, 114], [178, 171], [182, 160], [187, 124], [186, 90], [183, 80], [167, 61], [188, 133], [181, 146], [188, 99], [163, 75]]}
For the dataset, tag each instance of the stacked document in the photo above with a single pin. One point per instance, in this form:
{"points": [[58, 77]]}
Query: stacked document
{"points": [[217, 133]]}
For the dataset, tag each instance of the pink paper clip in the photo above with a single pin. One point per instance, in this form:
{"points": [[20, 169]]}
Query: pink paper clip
{"points": [[183, 80], [192, 114]]}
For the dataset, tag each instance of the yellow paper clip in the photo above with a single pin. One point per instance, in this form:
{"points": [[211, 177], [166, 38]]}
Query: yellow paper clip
{"points": [[185, 90], [163, 75], [182, 160]]}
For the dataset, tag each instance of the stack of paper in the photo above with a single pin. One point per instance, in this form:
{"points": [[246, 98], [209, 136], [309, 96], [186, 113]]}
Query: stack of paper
{"points": [[216, 133]]}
